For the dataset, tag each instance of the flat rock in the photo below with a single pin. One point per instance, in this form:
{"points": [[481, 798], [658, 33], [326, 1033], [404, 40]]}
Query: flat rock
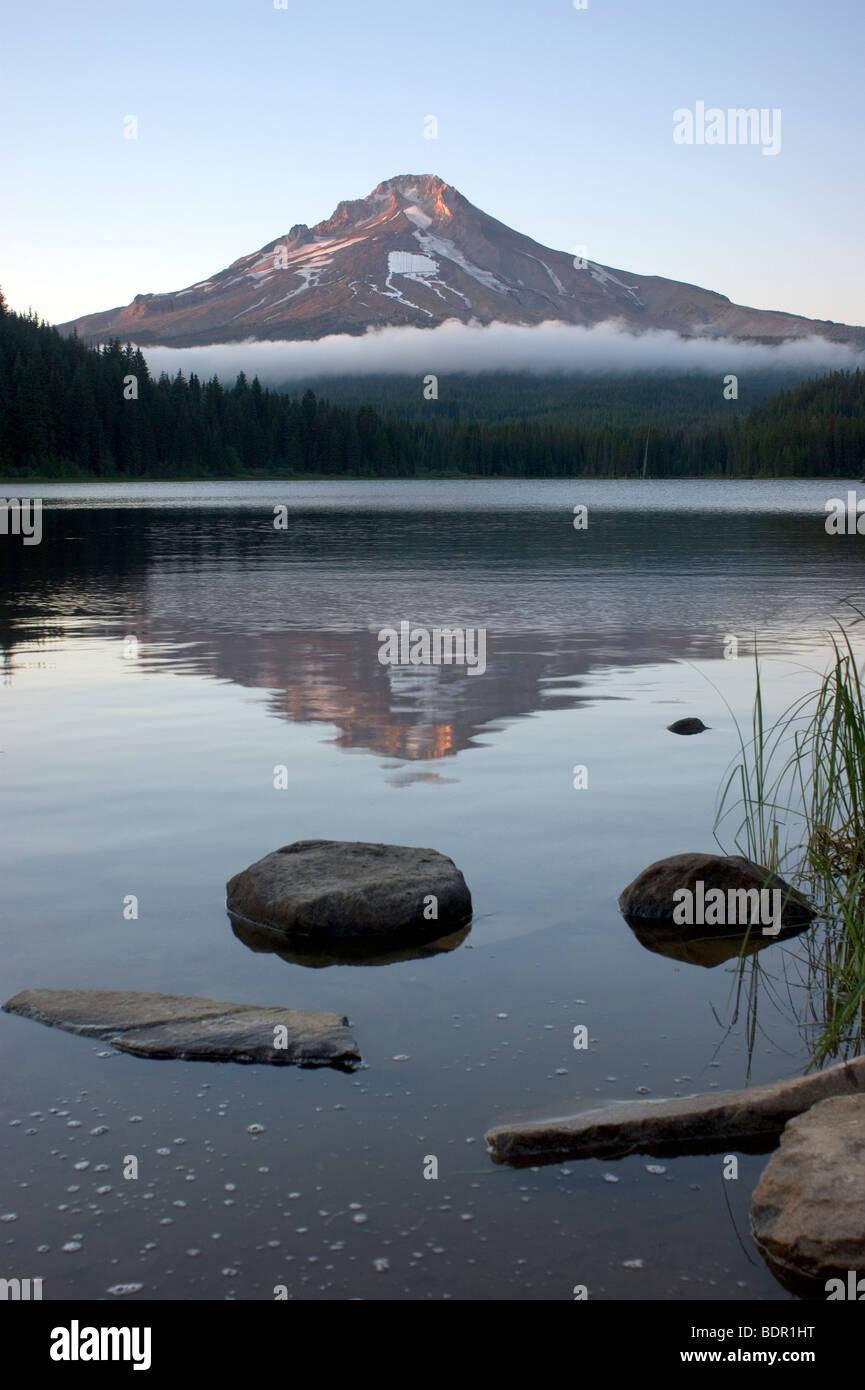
{"points": [[318, 891], [650, 895], [691, 1124], [192, 1028], [808, 1209]]}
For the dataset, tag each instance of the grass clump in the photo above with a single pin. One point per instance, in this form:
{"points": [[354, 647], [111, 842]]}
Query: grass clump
{"points": [[798, 788]]}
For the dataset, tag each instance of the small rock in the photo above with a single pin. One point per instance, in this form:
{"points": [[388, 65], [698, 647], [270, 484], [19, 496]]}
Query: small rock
{"points": [[651, 894]]}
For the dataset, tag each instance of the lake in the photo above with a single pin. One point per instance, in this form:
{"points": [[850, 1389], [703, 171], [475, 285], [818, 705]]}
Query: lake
{"points": [[145, 767]]}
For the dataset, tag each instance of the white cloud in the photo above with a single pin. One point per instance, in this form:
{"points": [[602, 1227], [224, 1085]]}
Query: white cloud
{"points": [[604, 350]]}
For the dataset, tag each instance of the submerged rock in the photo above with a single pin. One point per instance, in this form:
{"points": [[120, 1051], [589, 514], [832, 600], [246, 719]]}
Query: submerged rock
{"points": [[705, 946], [316, 892], [318, 955], [192, 1028], [687, 726], [650, 896], [691, 1124], [808, 1209]]}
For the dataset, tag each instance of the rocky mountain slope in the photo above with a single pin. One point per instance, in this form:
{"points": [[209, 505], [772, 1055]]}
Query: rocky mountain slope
{"points": [[416, 252]]}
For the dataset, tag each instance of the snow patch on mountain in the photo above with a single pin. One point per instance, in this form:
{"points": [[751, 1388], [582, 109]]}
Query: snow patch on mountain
{"points": [[250, 309], [557, 284], [419, 218], [448, 252], [404, 263], [393, 292], [202, 285], [601, 276]]}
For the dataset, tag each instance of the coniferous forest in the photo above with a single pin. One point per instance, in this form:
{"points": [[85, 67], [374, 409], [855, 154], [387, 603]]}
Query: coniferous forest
{"points": [[72, 411]]}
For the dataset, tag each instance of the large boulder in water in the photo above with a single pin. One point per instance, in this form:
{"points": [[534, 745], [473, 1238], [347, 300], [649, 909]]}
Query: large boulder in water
{"points": [[808, 1209], [367, 896], [651, 894]]}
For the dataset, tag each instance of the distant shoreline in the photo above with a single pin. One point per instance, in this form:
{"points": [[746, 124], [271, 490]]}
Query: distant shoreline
{"points": [[9, 483]]}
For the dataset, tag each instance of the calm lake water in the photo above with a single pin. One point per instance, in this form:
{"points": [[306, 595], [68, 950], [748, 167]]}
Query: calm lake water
{"points": [[151, 773]]}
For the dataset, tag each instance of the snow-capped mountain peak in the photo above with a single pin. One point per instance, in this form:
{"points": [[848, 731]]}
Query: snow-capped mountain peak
{"points": [[416, 252]]}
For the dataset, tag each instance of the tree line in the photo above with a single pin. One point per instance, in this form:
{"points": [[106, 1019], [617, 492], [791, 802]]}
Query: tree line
{"points": [[68, 410]]}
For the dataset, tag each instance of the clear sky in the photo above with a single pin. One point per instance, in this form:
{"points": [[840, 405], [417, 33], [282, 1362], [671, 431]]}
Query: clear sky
{"points": [[556, 120]]}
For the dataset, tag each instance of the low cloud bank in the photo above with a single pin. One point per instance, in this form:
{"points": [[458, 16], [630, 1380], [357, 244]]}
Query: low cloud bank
{"points": [[548, 348]]}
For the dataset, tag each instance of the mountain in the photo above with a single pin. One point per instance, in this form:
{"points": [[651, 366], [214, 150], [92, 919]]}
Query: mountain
{"points": [[416, 252]]}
